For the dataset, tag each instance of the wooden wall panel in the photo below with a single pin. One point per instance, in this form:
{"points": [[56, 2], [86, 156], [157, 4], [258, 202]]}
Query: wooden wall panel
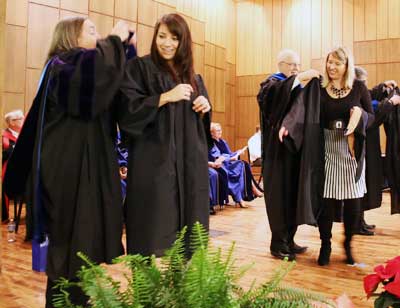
{"points": [[126, 9], [17, 12], [276, 32], [219, 104], [388, 71], [220, 57], [198, 32], [365, 52], [16, 55], [68, 14], [144, 39], [198, 58], [348, 24], [359, 20], [394, 18], [147, 12], [230, 105], [163, 9], [32, 80], [102, 7], [372, 75], [80, 6], [326, 26], [370, 20], [54, 3], [230, 74], [388, 50], [13, 101], [306, 39], [42, 20], [382, 19], [209, 79], [247, 108], [316, 50], [210, 54], [104, 24], [337, 22]]}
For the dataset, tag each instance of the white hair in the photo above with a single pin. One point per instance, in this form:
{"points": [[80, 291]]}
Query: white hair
{"points": [[286, 53], [13, 114]]}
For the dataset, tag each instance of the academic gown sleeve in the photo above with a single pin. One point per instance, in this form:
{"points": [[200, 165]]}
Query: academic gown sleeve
{"points": [[137, 106], [86, 81]]}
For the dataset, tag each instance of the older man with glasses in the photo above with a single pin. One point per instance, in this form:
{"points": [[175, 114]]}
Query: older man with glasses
{"points": [[281, 166]]}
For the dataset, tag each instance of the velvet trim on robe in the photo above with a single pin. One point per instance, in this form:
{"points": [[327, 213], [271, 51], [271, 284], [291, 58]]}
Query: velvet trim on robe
{"points": [[78, 171]]}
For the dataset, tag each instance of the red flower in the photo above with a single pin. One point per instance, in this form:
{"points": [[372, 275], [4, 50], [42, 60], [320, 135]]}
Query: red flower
{"points": [[381, 271], [371, 282], [394, 286], [393, 267]]}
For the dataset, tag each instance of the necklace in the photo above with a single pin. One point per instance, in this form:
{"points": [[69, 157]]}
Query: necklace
{"points": [[338, 92]]}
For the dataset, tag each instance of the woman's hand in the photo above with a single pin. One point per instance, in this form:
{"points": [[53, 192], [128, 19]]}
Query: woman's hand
{"points": [[201, 104], [283, 132], [121, 29], [350, 142], [181, 92], [395, 100]]}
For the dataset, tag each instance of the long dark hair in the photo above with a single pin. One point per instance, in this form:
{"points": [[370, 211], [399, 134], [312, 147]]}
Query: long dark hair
{"points": [[183, 69]]}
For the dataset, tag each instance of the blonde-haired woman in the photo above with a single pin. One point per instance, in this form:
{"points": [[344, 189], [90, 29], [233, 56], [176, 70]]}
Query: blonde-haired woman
{"points": [[346, 112], [68, 146]]}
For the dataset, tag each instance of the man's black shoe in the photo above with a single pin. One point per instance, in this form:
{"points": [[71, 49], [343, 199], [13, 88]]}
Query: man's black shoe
{"points": [[294, 248], [212, 212], [369, 227], [365, 231], [282, 255]]}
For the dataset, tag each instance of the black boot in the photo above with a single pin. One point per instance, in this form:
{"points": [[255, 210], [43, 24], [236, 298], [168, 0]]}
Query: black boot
{"points": [[324, 253], [347, 249]]}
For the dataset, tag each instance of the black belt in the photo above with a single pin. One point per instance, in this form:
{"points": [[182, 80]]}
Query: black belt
{"points": [[337, 125]]}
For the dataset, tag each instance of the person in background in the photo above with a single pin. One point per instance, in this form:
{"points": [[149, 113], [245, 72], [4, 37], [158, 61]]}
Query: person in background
{"points": [[218, 186], [280, 166], [14, 120], [254, 146], [66, 152], [383, 102], [240, 178]]}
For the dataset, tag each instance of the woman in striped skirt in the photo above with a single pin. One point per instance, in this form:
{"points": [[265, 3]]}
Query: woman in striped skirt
{"points": [[343, 100]]}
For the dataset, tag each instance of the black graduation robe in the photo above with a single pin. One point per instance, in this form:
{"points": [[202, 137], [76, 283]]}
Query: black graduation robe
{"points": [[72, 169], [280, 166], [167, 165], [392, 159]]}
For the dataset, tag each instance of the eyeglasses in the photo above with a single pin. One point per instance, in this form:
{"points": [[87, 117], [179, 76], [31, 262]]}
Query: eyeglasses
{"points": [[292, 64]]}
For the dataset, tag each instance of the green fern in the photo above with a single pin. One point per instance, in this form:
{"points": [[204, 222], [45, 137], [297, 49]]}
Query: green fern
{"points": [[209, 278]]}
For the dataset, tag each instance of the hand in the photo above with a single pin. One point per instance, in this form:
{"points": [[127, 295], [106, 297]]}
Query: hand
{"points": [[390, 84], [395, 100], [121, 29], [236, 157], [181, 92], [123, 172], [283, 132], [350, 142], [201, 104], [220, 160], [133, 40], [306, 76], [217, 165], [355, 116]]}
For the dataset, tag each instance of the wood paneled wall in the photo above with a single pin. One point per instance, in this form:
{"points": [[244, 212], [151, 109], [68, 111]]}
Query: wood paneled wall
{"points": [[29, 25], [370, 28]]}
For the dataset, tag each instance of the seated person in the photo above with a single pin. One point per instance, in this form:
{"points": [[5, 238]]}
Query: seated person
{"points": [[14, 121], [240, 185], [218, 186], [254, 146], [122, 154]]}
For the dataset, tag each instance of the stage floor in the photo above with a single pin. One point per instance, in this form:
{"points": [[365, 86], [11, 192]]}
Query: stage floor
{"points": [[20, 287]]}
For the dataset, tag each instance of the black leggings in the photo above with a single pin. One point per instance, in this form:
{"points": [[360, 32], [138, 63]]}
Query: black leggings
{"points": [[351, 217]]}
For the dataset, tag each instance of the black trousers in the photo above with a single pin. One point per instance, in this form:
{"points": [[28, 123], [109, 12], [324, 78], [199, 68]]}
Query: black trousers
{"points": [[351, 218], [77, 296]]}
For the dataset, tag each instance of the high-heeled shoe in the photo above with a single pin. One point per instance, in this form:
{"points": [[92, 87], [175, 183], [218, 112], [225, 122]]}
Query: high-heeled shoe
{"points": [[324, 254], [349, 256], [242, 204]]}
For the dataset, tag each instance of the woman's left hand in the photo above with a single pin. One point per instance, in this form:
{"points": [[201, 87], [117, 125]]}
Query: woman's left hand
{"points": [[201, 104]]}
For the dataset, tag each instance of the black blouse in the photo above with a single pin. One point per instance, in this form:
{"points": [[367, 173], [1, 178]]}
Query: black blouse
{"points": [[339, 108]]}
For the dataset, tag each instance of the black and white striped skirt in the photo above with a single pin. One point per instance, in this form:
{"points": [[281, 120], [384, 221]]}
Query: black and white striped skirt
{"points": [[340, 169]]}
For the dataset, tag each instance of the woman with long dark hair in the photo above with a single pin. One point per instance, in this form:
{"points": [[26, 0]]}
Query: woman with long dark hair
{"points": [[66, 151], [168, 167]]}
